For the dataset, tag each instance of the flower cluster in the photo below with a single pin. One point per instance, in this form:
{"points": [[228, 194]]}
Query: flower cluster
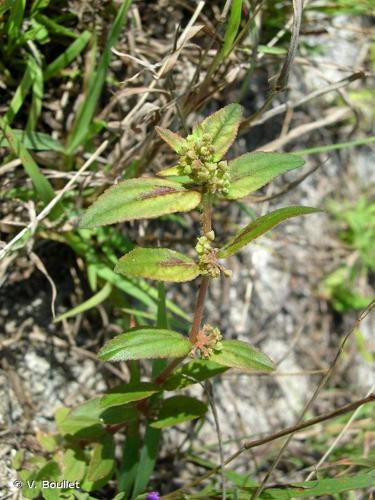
{"points": [[198, 162], [208, 341], [208, 264], [207, 257]]}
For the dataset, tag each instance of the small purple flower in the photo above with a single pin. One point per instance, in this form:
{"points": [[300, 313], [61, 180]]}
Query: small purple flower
{"points": [[153, 495]]}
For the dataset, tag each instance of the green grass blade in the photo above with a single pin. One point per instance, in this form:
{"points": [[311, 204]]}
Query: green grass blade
{"points": [[125, 285], [38, 5], [319, 487], [130, 453], [85, 115], [71, 53], [54, 27], [37, 96], [162, 318], [232, 27], [171, 306], [41, 184], [147, 459], [6, 5], [161, 322], [334, 147], [90, 303], [37, 141], [13, 27], [20, 94]]}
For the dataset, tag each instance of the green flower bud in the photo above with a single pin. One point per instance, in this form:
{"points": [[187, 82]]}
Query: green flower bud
{"points": [[210, 235]]}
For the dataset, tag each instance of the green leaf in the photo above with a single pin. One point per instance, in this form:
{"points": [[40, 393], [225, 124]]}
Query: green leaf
{"points": [[261, 226], [93, 301], [83, 421], [50, 472], [37, 141], [139, 199], [74, 465], [145, 343], [251, 171], [241, 355], [119, 415], [175, 141], [128, 393], [86, 420], [223, 126], [178, 409], [158, 264], [18, 459], [67, 56], [47, 441], [193, 372], [102, 460]]}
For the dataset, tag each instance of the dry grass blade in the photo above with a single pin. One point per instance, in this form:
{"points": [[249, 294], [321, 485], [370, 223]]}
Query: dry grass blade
{"points": [[8, 247], [334, 116], [283, 77]]}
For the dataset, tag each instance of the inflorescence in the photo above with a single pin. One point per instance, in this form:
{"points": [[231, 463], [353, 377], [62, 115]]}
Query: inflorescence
{"points": [[207, 257], [208, 340], [198, 162]]}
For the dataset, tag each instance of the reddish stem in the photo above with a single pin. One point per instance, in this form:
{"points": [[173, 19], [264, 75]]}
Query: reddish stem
{"points": [[203, 287], [199, 310]]}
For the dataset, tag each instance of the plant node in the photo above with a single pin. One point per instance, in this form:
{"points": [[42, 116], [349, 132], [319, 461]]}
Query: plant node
{"points": [[208, 341], [208, 263]]}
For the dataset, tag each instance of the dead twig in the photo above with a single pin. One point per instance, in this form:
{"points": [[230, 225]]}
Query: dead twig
{"points": [[334, 115]]}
